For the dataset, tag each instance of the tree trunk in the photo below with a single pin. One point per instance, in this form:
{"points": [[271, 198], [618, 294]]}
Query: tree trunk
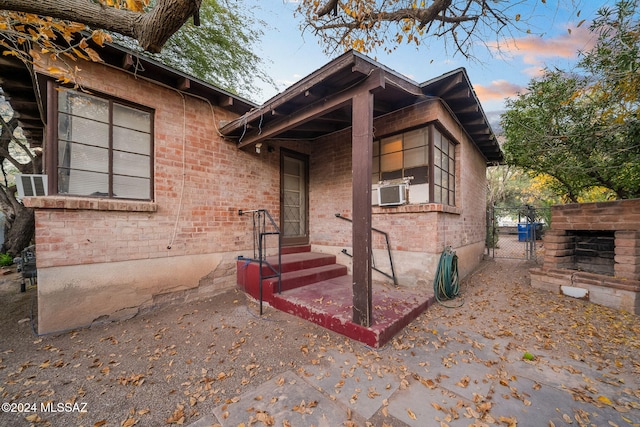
{"points": [[19, 231], [152, 29]]}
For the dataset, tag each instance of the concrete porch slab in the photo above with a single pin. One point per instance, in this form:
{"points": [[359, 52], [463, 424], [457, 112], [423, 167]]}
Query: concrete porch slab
{"points": [[329, 304]]}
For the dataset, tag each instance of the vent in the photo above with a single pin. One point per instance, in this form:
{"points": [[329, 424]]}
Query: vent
{"points": [[31, 185], [392, 195]]}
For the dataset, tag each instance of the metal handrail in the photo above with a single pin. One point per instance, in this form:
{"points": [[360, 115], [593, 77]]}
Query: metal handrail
{"points": [[260, 234], [391, 276]]}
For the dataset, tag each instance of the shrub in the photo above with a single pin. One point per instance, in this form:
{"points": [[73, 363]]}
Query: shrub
{"points": [[6, 260]]}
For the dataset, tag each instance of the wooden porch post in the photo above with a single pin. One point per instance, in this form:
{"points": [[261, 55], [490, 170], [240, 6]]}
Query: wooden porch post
{"points": [[361, 151]]}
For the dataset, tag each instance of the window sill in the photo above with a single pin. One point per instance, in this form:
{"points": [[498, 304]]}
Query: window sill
{"points": [[93, 204], [417, 208]]}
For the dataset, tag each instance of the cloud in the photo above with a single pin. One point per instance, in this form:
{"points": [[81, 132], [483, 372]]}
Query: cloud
{"points": [[536, 51], [497, 90]]}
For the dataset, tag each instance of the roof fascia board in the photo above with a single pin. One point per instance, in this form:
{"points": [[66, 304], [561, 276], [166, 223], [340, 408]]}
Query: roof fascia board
{"points": [[373, 81], [271, 106], [129, 58]]}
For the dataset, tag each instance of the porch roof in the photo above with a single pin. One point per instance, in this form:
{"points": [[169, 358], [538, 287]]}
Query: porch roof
{"points": [[319, 105]]}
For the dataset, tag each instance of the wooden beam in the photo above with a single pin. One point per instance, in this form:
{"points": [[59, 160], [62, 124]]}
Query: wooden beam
{"points": [[183, 83], [361, 158], [227, 101], [128, 62], [314, 110]]}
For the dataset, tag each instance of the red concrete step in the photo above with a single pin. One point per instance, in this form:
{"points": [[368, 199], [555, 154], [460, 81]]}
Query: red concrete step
{"points": [[290, 262], [330, 304], [298, 269], [299, 278], [295, 249]]}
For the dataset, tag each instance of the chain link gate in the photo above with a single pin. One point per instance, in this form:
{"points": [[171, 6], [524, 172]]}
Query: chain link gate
{"points": [[513, 232]]}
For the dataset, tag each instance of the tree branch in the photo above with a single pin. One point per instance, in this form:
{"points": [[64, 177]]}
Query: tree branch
{"points": [[152, 29]]}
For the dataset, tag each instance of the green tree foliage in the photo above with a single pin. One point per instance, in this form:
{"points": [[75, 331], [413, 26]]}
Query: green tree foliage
{"points": [[220, 49], [583, 128]]}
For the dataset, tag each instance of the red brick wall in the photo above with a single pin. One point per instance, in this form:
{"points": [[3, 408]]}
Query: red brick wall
{"points": [[413, 228], [219, 180], [614, 215]]}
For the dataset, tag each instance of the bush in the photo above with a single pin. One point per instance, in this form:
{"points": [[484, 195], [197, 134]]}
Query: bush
{"points": [[6, 260]]}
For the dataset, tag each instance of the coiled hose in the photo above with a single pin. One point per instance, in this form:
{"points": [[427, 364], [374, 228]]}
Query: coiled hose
{"points": [[446, 285]]}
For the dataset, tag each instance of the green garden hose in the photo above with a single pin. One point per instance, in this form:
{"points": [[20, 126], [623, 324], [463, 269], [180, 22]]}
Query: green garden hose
{"points": [[446, 285]]}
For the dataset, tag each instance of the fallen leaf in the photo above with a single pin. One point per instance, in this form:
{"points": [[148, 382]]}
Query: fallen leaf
{"points": [[129, 422], [605, 400], [510, 421], [411, 414]]}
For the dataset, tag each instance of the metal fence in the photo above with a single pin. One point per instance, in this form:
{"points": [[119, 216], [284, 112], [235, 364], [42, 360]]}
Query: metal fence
{"points": [[515, 232]]}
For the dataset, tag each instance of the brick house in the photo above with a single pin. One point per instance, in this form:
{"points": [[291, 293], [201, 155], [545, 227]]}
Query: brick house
{"points": [[148, 167]]}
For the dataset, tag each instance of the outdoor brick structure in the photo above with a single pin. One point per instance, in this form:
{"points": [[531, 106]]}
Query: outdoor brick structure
{"points": [[610, 278]]}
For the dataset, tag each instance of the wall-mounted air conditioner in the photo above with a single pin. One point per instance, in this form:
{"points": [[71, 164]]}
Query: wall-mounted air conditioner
{"points": [[392, 195], [31, 185]]}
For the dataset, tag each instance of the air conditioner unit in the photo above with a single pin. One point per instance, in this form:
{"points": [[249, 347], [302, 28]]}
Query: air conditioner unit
{"points": [[392, 195], [31, 185]]}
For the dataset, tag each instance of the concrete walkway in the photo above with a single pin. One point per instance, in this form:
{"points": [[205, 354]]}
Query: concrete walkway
{"points": [[458, 379]]}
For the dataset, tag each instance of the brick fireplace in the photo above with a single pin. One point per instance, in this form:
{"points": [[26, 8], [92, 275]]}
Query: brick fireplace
{"points": [[592, 251]]}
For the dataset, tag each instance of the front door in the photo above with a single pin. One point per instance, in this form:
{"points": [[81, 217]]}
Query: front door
{"points": [[294, 221]]}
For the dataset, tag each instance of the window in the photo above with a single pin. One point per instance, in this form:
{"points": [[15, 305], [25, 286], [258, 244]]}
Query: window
{"points": [[103, 147], [402, 156], [444, 169], [407, 156]]}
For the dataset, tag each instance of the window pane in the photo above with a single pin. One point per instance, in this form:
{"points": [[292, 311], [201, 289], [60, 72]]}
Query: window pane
{"points": [[415, 138], [445, 162], [83, 105], [437, 157], [420, 174], [437, 138], [415, 157], [376, 147], [392, 144], [83, 183], [387, 176], [437, 195], [79, 156], [131, 118], [437, 176], [292, 166], [83, 130], [389, 162], [131, 187], [131, 164], [131, 140]]}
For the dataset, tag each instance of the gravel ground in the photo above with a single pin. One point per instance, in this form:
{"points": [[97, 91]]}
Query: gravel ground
{"points": [[174, 365]]}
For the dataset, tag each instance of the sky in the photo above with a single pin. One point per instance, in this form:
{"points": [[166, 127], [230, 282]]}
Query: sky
{"points": [[290, 55]]}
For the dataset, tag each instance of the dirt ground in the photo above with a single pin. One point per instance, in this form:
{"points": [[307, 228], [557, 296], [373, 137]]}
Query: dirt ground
{"points": [[174, 365]]}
